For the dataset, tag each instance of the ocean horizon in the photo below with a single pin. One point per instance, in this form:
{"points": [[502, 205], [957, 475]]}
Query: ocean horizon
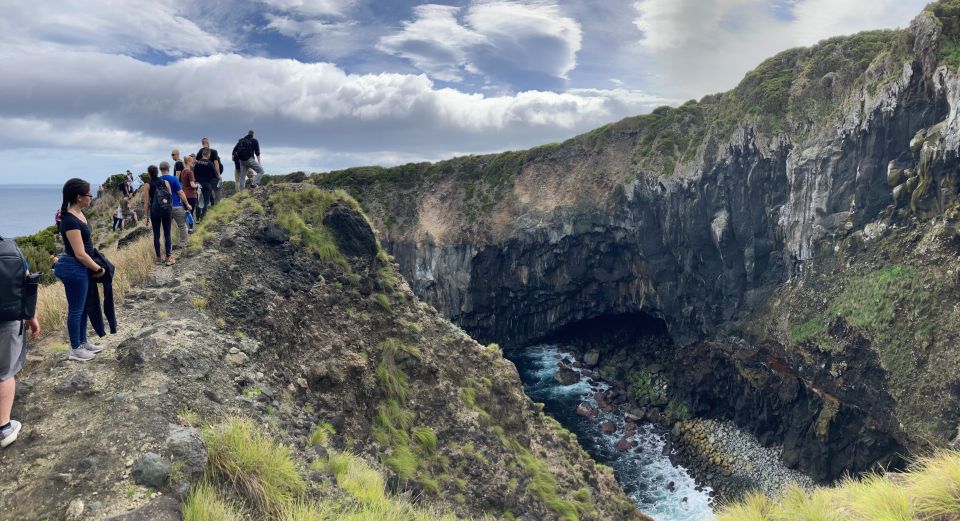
{"points": [[26, 209]]}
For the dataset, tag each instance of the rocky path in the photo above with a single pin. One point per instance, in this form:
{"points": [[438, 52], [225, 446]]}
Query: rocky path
{"points": [[86, 425]]}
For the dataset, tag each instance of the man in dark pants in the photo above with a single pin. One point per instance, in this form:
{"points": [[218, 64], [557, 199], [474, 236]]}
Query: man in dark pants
{"points": [[215, 158], [13, 352]]}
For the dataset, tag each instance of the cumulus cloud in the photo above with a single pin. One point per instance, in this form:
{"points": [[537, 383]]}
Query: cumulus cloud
{"points": [[702, 46], [130, 27], [523, 44]]}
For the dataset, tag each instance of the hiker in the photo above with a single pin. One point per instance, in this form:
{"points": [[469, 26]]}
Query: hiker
{"points": [[75, 267], [218, 181], [158, 205], [178, 211], [14, 277], [126, 188], [204, 171], [118, 218], [177, 163], [127, 212], [189, 183], [247, 153]]}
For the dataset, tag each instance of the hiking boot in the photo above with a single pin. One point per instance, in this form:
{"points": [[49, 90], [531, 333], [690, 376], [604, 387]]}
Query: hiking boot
{"points": [[9, 435], [93, 348], [80, 354], [171, 261], [159, 261]]}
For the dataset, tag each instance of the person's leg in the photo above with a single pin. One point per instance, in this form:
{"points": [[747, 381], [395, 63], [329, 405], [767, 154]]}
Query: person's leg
{"points": [[166, 218], [180, 217], [239, 174], [207, 194], [155, 224], [196, 210], [8, 389], [255, 165], [75, 285]]}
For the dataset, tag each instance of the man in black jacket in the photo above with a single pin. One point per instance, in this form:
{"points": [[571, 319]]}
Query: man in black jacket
{"points": [[247, 154], [207, 176]]}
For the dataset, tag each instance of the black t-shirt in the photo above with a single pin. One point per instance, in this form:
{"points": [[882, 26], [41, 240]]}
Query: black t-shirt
{"points": [[68, 222], [214, 156], [177, 168], [204, 171]]}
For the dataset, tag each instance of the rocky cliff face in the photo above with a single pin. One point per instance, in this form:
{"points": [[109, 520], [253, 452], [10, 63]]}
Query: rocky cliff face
{"points": [[700, 216]]}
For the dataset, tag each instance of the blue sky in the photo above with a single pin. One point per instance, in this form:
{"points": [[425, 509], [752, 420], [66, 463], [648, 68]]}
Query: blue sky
{"points": [[92, 88]]}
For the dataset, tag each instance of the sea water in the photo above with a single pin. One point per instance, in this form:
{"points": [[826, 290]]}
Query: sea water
{"points": [[645, 472], [27, 209]]}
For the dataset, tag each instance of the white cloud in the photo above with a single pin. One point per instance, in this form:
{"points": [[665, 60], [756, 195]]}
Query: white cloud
{"points": [[313, 7], [289, 103], [129, 27], [702, 46], [434, 42], [331, 40], [520, 43]]}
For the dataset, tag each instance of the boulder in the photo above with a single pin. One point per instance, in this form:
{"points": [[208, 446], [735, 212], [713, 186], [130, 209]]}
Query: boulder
{"points": [[586, 411], [592, 358], [608, 427], [186, 446], [350, 229], [566, 376], [79, 382], [151, 470]]}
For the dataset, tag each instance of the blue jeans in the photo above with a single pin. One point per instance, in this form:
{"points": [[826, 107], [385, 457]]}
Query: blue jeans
{"points": [[76, 282]]}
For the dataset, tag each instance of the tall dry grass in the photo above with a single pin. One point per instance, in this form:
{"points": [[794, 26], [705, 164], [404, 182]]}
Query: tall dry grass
{"points": [[929, 491], [133, 265]]}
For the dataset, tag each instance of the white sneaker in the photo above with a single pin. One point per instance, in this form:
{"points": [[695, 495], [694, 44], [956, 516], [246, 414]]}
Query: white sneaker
{"points": [[80, 354], [93, 348], [9, 435]]}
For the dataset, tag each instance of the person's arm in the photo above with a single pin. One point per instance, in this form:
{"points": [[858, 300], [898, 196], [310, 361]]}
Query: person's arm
{"points": [[146, 208], [80, 253], [216, 168], [33, 326], [183, 199]]}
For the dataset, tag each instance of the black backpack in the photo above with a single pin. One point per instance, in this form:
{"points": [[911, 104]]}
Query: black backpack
{"points": [[162, 198], [244, 149], [18, 291]]}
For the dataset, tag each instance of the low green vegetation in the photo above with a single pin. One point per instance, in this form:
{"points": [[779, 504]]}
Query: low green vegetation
{"points": [[893, 304], [253, 465], [320, 436], [301, 213], [929, 492], [250, 476], [39, 250], [224, 212]]}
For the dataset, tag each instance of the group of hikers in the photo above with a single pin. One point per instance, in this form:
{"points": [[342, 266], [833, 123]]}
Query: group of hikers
{"points": [[189, 191]]}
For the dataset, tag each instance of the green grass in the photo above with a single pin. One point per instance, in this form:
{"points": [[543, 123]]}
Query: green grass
{"points": [[225, 211], [383, 302], [426, 440], [893, 304], [243, 456], [365, 487], [930, 490], [320, 436], [205, 503], [301, 213]]}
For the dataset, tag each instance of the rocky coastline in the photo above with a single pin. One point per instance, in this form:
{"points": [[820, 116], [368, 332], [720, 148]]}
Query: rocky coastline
{"points": [[633, 384]]}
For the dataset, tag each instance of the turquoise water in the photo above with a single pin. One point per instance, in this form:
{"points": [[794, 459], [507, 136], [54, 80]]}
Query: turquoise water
{"points": [[27, 209], [662, 491]]}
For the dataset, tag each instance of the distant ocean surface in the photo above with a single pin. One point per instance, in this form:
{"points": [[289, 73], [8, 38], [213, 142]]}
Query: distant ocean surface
{"points": [[27, 209]]}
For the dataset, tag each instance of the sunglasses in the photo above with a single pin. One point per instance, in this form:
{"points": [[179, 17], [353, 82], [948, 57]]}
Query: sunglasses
{"points": [[87, 195]]}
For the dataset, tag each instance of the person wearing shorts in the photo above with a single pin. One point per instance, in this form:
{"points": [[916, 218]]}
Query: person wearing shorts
{"points": [[13, 352]]}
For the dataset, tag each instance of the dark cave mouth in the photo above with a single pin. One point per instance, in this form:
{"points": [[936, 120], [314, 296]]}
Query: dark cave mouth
{"points": [[609, 331]]}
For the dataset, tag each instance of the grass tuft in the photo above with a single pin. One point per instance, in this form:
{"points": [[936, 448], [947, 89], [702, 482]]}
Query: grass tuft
{"points": [[255, 467], [206, 504]]}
